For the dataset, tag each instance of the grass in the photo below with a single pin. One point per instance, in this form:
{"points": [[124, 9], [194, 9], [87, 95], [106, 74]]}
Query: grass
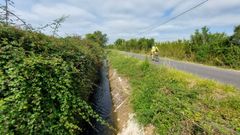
{"points": [[176, 102]]}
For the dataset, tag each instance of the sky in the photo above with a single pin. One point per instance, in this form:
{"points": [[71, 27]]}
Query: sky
{"points": [[129, 18]]}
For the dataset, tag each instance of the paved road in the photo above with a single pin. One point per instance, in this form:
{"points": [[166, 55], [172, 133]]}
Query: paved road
{"points": [[222, 75]]}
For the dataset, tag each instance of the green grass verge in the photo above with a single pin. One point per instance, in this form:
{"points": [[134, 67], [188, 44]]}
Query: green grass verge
{"points": [[176, 102]]}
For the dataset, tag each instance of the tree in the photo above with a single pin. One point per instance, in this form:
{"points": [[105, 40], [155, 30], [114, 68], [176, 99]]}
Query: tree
{"points": [[57, 24], [98, 37], [119, 42], [201, 37], [54, 26], [5, 13], [8, 17], [7, 3], [235, 38]]}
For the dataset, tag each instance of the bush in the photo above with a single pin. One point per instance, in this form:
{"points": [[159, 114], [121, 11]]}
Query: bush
{"points": [[173, 49], [46, 82]]}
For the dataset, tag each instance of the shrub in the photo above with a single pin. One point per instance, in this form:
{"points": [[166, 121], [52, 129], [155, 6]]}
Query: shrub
{"points": [[46, 82]]}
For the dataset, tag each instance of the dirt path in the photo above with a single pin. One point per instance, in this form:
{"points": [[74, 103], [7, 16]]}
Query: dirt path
{"points": [[123, 112]]}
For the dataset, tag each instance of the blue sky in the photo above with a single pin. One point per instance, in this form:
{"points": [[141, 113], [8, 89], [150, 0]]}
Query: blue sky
{"points": [[126, 18]]}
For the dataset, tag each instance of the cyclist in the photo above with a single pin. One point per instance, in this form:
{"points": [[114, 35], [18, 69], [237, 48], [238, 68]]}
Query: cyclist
{"points": [[154, 52]]}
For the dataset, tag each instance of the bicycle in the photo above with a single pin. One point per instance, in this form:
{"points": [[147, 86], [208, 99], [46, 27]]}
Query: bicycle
{"points": [[155, 56]]}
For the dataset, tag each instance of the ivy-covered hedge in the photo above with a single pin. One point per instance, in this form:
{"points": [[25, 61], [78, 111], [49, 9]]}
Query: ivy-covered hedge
{"points": [[45, 82]]}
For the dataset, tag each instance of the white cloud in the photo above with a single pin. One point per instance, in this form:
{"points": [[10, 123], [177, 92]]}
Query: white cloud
{"points": [[125, 25], [126, 18], [52, 11]]}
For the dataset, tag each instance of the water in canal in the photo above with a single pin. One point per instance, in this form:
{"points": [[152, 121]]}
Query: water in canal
{"points": [[102, 103]]}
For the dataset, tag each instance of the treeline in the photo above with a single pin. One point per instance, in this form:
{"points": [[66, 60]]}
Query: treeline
{"points": [[136, 45], [46, 82], [203, 46]]}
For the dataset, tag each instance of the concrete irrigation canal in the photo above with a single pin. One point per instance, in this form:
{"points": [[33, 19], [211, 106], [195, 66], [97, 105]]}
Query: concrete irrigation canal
{"points": [[102, 104], [112, 102]]}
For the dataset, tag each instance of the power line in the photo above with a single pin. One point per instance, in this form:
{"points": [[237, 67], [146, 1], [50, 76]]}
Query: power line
{"points": [[152, 27]]}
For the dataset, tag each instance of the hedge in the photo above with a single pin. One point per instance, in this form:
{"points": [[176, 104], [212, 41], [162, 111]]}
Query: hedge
{"points": [[46, 82]]}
